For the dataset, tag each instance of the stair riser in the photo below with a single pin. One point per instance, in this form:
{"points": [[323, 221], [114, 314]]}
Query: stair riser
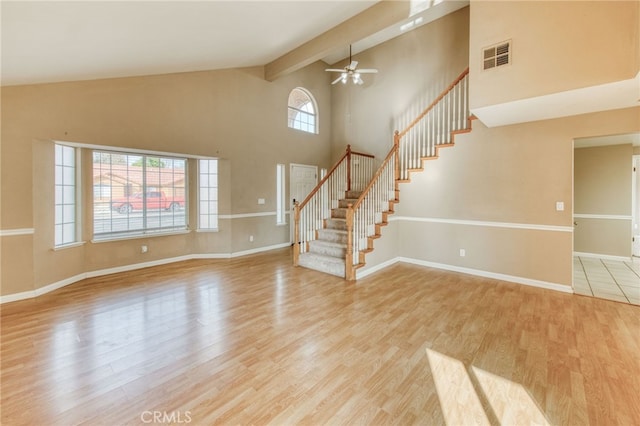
{"points": [[345, 203], [338, 252], [340, 213], [332, 236], [326, 267], [352, 194], [339, 225]]}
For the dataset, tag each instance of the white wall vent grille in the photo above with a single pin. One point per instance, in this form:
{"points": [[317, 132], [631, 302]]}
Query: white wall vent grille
{"points": [[497, 55]]}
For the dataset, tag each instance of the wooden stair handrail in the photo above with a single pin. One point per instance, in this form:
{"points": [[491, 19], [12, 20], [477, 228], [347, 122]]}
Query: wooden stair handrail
{"points": [[324, 179], [335, 166], [398, 135], [434, 103], [376, 176], [362, 154], [350, 271]]}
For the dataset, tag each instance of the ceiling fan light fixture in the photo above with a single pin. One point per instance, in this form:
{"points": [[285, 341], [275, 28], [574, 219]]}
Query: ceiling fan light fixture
{"points": [[351, 71]]}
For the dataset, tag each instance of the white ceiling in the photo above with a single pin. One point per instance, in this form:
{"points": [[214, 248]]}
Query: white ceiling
{"points": [[51, 41]]}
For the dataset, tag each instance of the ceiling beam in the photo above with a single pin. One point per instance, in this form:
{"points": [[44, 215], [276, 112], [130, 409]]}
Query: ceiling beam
{"points": [[374, 19]]}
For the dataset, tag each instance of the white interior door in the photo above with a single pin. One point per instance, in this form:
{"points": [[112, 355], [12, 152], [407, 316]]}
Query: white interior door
{"points": [[302, 179]]}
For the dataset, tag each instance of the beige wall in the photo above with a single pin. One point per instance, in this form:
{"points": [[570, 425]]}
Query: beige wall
{"points": [[494, 194], [602, 187], [603, 180], [557, 46], [609, 237], [414, 69], [232, 114]]}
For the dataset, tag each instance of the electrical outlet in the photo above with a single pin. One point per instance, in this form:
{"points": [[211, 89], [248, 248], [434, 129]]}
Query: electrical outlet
{"points": [[144, 249], [250, 238], [463, 252], [260, 200], [560, 206]]}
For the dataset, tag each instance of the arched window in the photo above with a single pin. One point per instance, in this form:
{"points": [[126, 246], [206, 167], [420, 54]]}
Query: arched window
{"points": [[302, 111]]}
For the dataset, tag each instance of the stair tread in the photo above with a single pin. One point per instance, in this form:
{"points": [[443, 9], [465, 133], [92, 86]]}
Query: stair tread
{"points": [[321, 258], [323, 263], [337, 231], [328, 243]]}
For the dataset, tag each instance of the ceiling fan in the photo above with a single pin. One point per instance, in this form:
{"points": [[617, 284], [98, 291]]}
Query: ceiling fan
{"points": [[351, 71]]}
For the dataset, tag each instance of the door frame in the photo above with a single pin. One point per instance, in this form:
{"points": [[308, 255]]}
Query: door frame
{"points": [[635, 199], [291, 185]]}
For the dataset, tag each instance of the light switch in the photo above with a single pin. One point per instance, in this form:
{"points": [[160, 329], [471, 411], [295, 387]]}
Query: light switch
{"points": [[560, 206]]}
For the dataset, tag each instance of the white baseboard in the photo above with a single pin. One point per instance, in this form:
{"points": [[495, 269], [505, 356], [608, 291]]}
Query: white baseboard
{"points": [[361, 273], [17, 296], [602, 256], [59, 284], [101, 272], [133, 267], [259, 250], [485, 274], [211, 256]]}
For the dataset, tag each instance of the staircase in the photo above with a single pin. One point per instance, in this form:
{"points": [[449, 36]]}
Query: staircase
{"points": [[328, 251], [337, 224]]}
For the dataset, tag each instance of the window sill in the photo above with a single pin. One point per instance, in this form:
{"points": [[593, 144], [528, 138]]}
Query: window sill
{"points": [[68, 246], [282, 224], [208, 230], [139, 236]]}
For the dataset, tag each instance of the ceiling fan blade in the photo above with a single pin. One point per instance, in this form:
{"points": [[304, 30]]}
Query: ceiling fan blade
{"points": [[336, 80], [353, 65], [334, 70], [368, 71]]}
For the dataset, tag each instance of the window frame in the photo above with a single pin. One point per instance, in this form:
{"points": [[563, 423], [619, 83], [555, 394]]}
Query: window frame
{"points": [[298, 110], [75, 206], [281, 210], [210, 215]]}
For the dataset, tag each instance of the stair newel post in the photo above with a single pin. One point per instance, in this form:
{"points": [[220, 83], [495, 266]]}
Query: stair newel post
{"points": [[396, 147], [296, 233], [348, 167], [348, 264]]}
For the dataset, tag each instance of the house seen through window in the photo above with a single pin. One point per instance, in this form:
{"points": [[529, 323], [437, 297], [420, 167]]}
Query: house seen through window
{"points": [[137, 194]]}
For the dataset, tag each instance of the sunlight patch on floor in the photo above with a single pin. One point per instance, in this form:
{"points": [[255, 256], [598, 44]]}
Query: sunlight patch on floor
{"points": [[510, 402], [460, 403]]}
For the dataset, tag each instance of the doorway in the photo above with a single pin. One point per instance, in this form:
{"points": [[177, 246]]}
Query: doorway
{"points": [[606, 202], [302, 179]]}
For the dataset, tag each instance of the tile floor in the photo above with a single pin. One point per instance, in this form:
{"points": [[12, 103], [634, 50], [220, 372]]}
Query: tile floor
{"points": [[607, 279]]}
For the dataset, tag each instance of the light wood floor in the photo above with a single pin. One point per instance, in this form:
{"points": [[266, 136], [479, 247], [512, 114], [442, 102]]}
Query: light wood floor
{"points": [[254, 340]]}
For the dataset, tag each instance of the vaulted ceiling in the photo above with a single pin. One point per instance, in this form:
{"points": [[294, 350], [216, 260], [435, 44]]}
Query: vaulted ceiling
{"points": [[52, 41]]}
